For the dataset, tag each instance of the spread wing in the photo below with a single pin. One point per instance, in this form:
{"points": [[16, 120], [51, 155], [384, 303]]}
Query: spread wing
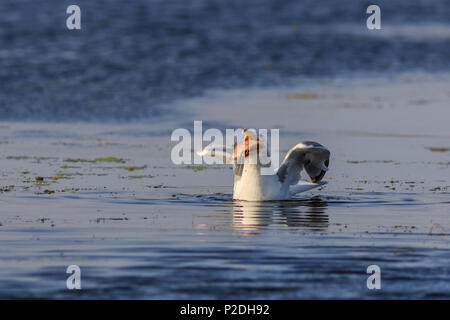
{"points": [[219, 151], [308, 155], [237, 153]]}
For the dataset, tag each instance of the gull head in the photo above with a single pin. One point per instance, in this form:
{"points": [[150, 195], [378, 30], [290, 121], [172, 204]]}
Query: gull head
{"points": [[250, 145]]}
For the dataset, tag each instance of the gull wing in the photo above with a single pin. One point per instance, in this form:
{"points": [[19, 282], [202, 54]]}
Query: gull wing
{"points": [[303, 186], [219, 151], [308, 155]]}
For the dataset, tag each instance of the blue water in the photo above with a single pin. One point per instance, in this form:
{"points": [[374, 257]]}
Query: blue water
{"points": [[133, 58], [272, 250], [172, 235], [171, 232]]}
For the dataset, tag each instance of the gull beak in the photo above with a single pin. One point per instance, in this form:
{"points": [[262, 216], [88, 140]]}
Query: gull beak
{"points": [[249, 143]]}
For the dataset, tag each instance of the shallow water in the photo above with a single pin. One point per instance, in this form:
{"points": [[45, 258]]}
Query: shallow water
{"points": [[130, 60], [203, 246], [103, 194], [141, 227]]}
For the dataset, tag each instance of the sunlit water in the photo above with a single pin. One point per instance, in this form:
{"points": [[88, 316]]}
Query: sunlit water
{"points": [[201, 246], [144, 228], [129, 60], [140, 227]]}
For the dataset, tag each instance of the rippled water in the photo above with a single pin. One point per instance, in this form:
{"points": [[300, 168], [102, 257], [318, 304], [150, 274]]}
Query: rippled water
{"points": [[162, 231], [200, 246], [102, 192], [129, 60]]}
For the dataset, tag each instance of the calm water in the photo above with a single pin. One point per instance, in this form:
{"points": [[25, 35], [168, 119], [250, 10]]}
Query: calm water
{"points": [[141, 227], [211, 247], [147, 229], [129, 60]]}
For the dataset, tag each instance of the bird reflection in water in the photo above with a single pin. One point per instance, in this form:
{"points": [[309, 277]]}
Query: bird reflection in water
{"points": [[252, 217]]}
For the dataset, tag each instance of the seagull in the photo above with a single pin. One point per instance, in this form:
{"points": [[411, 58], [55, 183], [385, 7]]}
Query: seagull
{"points": [[285, 182]]}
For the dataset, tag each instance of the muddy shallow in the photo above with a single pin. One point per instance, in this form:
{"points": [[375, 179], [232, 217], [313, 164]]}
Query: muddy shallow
{"points": [[106, 197]]}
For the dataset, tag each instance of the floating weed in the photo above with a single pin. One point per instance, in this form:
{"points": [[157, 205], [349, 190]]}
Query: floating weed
{"points": [[106, 168], [109, 159], [45, 158], [45, 181], [37, 159], [79, 160], [369, 161], [196, 168], [98, 220], [59, 176], [439, 189], [304, 95], [17, 157], [99, 159], [438, 149], [6, 189], [139, 177], [132, 168], [40, 181], [69, 167]]}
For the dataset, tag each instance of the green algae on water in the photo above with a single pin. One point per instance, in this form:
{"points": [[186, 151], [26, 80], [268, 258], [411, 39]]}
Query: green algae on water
{"points": [[132, 168], [99, 159], [109, 159], [438, 149]]}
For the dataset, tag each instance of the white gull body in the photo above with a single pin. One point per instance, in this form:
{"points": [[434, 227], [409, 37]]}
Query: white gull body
{"points": [[251, 185]]}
